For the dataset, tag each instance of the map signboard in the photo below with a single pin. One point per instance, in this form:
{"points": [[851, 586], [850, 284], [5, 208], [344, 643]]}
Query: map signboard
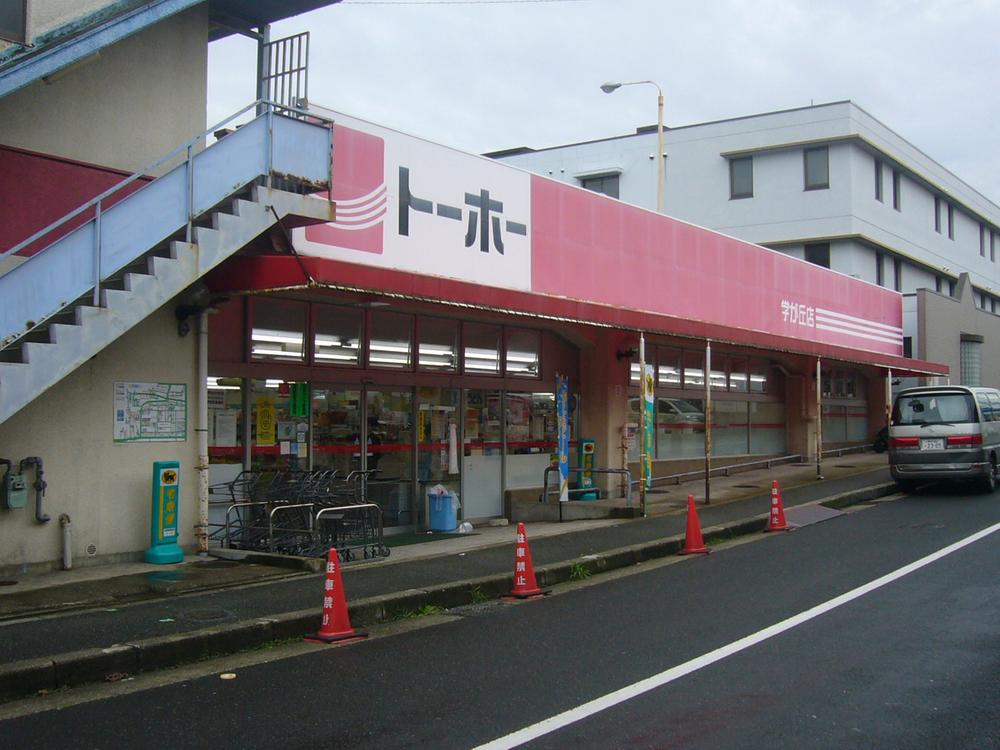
{"points": [[150, 412]]}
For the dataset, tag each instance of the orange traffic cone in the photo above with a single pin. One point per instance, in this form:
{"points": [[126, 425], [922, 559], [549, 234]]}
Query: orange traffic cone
{"points": [[693, 542], [525, 585], [336, 624], [776, 518]]}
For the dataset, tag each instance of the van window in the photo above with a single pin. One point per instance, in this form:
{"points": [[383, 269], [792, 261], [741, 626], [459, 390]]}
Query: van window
{"points": [[934, 408], [985, 407], [994, 400]]}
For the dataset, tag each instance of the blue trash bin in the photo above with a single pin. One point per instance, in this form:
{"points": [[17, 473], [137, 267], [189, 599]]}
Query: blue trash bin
{"points": [[443, 511]]}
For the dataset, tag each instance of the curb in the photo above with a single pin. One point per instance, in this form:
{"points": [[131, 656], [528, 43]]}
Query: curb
{"points": [[23, 678]]}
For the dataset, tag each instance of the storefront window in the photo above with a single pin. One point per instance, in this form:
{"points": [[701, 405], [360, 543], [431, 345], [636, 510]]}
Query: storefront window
{"points": [[767, 428], [694, 370], [278, 332], [225, 421], [738, 375], [481, 349], [278, 440], [531, 437], [336, 424], [680, 428], [718, 374], [758, 377], [522, 354], [338, 335], [390, 342], [437, 348], [730, 429], [669, 368]]}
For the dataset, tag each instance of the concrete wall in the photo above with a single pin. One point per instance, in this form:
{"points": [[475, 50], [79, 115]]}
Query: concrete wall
{"points": [[104, 486], [942, 320], [135, 102]]}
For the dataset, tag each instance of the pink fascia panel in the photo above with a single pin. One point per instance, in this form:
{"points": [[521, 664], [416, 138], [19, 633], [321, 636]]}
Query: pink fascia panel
{"points": [[359, 191], [588, 247]]}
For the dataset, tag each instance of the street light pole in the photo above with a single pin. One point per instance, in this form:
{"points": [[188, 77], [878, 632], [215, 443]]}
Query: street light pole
{"points": [[607, 88]]}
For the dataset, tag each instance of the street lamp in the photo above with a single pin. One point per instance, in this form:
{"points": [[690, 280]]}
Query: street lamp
{"points": [[608, 88]]}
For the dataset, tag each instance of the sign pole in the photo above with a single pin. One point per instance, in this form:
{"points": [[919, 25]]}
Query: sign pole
{"points": [[708, 422]]}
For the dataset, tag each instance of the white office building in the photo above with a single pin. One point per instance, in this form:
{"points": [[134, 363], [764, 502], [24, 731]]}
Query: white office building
{"points": [[834, 186]]}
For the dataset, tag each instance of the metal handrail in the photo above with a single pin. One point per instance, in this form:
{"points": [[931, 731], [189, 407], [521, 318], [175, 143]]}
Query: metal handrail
{"points": [[621, 472], [725, 470], [144, 172]]}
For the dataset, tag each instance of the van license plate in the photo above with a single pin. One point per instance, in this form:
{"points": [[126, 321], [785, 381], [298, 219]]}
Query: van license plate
{"points": [[932, 444]]}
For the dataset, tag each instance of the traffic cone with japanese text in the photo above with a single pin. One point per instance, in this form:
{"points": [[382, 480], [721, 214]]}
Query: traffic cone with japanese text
{"points": [[776, 518], [525, 585], [336, 624], [694, 544]]}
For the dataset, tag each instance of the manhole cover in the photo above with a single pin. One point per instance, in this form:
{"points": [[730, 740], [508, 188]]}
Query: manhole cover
{"points": [[8, 583], [206, 615], [214, 564]]}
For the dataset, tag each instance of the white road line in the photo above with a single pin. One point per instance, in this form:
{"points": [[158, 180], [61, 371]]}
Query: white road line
{"points": [[628, 692]]}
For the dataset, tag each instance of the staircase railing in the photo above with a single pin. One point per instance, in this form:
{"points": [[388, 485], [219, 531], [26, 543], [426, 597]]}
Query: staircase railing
{"points": [[115, 236]]}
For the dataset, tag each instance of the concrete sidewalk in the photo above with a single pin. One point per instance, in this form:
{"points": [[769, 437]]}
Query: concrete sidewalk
{"points": [[69, 627]]}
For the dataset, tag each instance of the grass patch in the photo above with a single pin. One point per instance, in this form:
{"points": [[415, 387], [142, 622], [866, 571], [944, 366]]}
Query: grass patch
{"points": [[477, 595], [579, 572], [425, 611]]}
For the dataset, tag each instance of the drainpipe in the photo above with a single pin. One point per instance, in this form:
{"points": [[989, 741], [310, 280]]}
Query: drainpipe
{"points": [[201, 530], [67, 541]]}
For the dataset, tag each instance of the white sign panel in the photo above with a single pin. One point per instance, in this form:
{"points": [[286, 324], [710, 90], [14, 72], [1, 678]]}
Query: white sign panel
{"points": [[412, 205]]}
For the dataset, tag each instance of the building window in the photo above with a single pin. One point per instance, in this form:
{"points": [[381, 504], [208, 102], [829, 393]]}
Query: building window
{"points": [[437, 344], [937, 284], [278, 330], [970, 361], [951, 222], [937, 214], [481, 348], [897, 274], [897, 190], [522, 353], [818, 254], [982, 239], [14, 21], [391, 342], [879, 269], [816, 163], [337, 338], [878, 180], [993, 246], [741, 178], [951, 287], [606, 184], [908, 347]]}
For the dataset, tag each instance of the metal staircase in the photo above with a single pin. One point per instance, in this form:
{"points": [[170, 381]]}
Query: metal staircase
{"points": [[64, 304]]}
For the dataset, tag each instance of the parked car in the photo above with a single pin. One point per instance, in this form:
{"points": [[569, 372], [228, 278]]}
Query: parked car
{"points": [[945, 432]]}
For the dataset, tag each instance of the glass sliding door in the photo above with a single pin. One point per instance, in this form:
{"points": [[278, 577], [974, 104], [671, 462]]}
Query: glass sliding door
{"points": [[336, 419], [437, 441], [481, 455], [390, 444]]}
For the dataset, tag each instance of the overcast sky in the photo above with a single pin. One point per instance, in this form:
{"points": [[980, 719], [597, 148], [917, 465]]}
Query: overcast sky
{"points": [[482, 76]]}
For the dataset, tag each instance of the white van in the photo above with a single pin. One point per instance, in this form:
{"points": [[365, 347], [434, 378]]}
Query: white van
{"points": [[945, 432]]}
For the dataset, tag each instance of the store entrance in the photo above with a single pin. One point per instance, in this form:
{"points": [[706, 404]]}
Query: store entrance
{"points": [[390, 448], [482, 459]]}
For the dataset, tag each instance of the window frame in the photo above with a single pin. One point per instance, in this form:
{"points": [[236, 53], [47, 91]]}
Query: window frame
{"points": [[879, 193], [734, 194], [897, 190], [602, 176], [815, 185]]}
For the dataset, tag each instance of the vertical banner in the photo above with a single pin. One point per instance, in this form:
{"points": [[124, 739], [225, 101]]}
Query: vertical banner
{"points": [[648, 426], [562, 418]]}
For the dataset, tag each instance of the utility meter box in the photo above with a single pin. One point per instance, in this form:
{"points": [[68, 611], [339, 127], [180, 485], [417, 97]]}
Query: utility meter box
{"points": [[14, 491]]}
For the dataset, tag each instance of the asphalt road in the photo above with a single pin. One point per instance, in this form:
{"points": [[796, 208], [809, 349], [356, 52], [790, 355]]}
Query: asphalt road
{"points": [[909, 664]]}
